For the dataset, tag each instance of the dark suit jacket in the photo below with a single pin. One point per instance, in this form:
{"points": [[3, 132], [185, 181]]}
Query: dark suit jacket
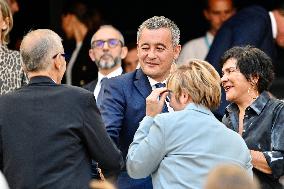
{"points": [[250, 26], [84, 69], [91, 85], [122, 108], [48, 135]]}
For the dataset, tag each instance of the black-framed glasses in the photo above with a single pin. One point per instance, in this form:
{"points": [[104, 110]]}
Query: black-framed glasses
{"points": [[112, 43], [61, 54]]}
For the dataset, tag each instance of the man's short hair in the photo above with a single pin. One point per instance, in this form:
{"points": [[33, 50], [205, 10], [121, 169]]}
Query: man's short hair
{"points": [[38, 47], [158, 22]]}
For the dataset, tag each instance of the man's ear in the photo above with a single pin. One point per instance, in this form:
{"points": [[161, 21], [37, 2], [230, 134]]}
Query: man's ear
{"points": [[57, 64], [177, 50], [206, 14], [124, 51], [91, 54]]}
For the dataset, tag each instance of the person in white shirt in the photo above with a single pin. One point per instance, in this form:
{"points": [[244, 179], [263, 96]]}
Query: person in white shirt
{"points": [[107, 51], [216, 12]]}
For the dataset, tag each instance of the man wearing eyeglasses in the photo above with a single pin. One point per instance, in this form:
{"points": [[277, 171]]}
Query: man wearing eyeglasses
{"points": [[107, 51], [50, 133]]}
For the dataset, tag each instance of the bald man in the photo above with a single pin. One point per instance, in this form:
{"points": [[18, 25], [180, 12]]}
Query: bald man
{"points": [[50, 133]]}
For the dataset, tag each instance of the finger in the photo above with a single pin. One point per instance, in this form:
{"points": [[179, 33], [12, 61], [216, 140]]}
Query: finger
{"points": [[163, 97], [156, 93]]}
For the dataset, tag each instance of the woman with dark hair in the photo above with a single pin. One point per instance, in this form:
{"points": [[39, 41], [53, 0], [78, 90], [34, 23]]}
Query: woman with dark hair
{"points": [[11, 72], [247, 73]]}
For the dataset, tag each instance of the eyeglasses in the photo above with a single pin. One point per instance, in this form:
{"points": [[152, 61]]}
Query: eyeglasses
{"points": [[112, 43], [61, 54]]}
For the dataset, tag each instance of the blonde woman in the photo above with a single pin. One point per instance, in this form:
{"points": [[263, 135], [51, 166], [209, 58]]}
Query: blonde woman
{"points": [[11, 72], [179, 148]]}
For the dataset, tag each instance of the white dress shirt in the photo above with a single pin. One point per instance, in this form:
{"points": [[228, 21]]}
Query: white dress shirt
{"points": [[273, 25]]}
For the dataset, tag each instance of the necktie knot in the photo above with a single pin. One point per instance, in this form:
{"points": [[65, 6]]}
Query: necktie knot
{"points": [[160, 85], [103, 80]]}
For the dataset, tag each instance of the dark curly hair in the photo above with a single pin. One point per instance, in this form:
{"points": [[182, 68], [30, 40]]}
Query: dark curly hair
{"points": [[252, 62]]}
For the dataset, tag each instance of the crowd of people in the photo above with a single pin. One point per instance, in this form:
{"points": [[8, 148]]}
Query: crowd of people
{"points": [[145, 115]]}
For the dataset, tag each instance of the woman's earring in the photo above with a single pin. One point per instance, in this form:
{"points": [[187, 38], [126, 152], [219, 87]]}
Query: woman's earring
{"points": [[253, 96]]}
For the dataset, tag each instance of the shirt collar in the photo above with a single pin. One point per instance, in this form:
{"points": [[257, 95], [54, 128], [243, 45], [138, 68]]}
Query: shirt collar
{"points": [[114, 73], [153, 82], [199, 108], [258, 105], [273, 24], [210, 37]]}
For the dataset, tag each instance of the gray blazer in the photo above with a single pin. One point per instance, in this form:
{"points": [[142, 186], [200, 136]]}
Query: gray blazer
{"points": [[179, 148]]}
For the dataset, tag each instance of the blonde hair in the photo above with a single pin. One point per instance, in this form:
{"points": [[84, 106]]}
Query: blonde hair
{"points": [[200, 80], [6, 13]]}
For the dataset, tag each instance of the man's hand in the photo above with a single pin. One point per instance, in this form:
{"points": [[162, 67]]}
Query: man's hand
{"points": [[155, 101]]}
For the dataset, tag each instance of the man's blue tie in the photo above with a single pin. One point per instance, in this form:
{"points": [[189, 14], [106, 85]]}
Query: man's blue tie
{"points": [[101, 93], [160, 85]]}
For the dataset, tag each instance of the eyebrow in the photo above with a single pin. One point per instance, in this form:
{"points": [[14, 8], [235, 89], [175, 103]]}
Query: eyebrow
{"points": [[229, 68]]}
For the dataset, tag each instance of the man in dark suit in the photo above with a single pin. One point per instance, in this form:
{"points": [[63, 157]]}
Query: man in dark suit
{"points": [[250, 26], [50, 132], [123, 105], [107, 51]]}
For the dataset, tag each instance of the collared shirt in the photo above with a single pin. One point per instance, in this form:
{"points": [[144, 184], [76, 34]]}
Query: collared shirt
{"points": [[115, 73], [263, 126], [273, 25], [153, 83]]}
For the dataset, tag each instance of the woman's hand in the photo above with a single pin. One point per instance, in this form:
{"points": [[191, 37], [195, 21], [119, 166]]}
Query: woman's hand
{"points": [[155, 101], [259, 162]]}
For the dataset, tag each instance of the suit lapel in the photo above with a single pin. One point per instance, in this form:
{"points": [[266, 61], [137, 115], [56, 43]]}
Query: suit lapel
{"points": [[142, 84]]}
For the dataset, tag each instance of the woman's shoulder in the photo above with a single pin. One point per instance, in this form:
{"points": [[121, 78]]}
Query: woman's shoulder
{"points": [[275, 103], [9, 54]]}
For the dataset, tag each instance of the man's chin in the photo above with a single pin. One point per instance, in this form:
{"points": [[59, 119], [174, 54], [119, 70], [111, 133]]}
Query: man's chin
{"points": [[107, 66]]}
